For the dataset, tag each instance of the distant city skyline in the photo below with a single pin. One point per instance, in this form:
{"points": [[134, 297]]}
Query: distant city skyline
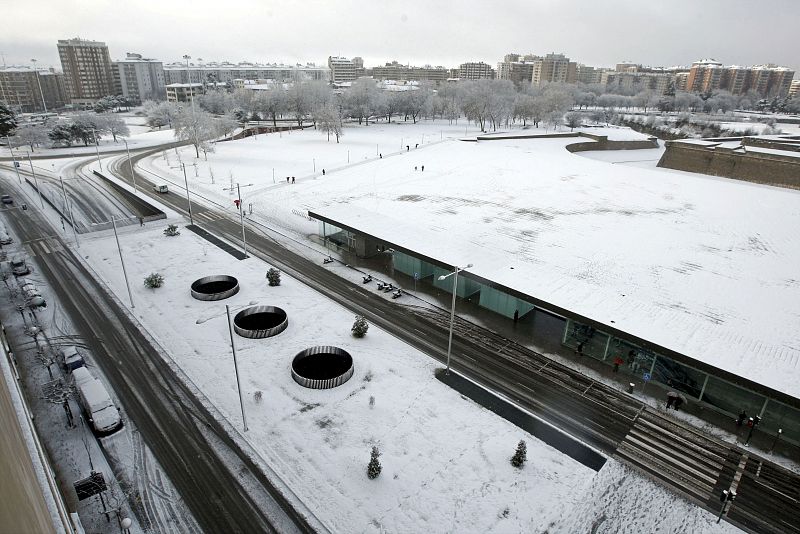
{"points": [[413, 32]]}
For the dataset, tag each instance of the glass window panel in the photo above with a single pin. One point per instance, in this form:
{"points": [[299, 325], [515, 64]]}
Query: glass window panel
{"points": [[678, 376], [730, 398]]}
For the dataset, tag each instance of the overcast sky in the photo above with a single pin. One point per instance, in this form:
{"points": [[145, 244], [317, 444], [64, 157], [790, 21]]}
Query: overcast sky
{"points": [[436, 32]]}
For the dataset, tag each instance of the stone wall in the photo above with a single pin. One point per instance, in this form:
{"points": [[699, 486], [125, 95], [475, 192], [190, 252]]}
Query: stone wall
{"points": [[761, 168]]}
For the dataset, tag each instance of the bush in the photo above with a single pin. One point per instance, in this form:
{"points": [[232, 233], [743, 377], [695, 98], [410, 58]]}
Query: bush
{"points": [[520, 456], [274, 277], [154, 280], [172, 230], [374, 466], [360, 326]]}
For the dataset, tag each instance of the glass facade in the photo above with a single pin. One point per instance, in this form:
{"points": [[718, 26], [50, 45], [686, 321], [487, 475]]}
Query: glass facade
{"points": [[632, 360], [503, 303]]}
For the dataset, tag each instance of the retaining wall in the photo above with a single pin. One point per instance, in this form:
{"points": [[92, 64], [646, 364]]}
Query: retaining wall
{"points": [[757, 167]]}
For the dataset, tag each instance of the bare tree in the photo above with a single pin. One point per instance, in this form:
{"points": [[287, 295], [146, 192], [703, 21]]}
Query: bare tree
{"points": [[329, 121], [573, 120], [115, 126], [34, 135], [159, 114], [195, 126]]}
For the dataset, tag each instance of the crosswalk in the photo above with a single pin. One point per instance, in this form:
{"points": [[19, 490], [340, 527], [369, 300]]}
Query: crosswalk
{"points": [[42, 246], [207, 216]]}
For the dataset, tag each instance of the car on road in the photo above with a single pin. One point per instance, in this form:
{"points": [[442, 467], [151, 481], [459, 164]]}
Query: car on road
{"points": [[6, 199], [19, 267], [161, 189]]}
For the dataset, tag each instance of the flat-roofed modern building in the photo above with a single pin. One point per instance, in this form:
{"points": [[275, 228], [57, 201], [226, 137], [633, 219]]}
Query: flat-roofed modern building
{"points": [[139, 79], [228, 72], [30, 90], [183, 92], [475, 70]]}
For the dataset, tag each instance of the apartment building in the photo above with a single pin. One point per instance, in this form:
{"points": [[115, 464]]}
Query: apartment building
{"points": [[397, 71], [224, 72], [553, 68], [767, 81], [30, 90], [87, 70], [343, 70], [139, 79], [475, 71], [794, 89], [183, 92]]}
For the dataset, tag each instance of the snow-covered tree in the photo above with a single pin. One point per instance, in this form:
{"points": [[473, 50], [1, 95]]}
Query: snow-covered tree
{"points": [[374, 467], [573, 120], [158, 114], [32, 136], [274, 277], [8, 120], [272, 103], [115, 126], [196, 126], [521, 454], [329, 121], [298, 101], [361, 99], [360, 326]]}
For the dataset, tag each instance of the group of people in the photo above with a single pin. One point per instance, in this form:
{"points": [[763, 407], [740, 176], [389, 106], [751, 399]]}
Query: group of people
{"points": [[287, 179]]}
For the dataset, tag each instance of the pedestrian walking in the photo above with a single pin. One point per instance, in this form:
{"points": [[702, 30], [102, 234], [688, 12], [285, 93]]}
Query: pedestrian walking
{"points": [[380, 155], [671, 397], [287, 179], [416, 146], [516, 312], [579, 348], [292, 179], [617, 362], [742, 417], [408, 148], [141, 222], [415, 168], [423, 168], [323, 172], [679, 401]]}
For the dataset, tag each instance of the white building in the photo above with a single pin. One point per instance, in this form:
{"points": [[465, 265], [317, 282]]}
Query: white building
{"points": [[183, 92], [139, 79]]}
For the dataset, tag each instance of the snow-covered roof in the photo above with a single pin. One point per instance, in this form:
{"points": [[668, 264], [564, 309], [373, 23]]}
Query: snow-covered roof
{"points": [[704, 266]]}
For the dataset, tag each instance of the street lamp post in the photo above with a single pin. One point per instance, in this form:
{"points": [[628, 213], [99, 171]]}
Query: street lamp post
{"points": [[97, 148], [188, 200], [241, 214], [35, 181], [38, 81], [122, 260], [71, 216], [454, 274], [236, 367], [133, 176], [13, 159]]}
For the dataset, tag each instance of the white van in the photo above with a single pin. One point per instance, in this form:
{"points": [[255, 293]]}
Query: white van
{"points": [[96, 402]]}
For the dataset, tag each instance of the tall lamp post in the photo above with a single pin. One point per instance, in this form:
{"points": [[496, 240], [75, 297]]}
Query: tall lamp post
{"points": [[13, 159], [454, 274], [188, 199], [38, 81], [241, 214], [133, 176], [97, 148]]}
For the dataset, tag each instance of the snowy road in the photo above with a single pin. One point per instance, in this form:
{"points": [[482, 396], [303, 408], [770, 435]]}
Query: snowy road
{"points": [[176, 426]]}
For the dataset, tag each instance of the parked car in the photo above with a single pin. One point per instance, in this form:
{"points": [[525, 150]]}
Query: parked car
{"points": [[103, 415], [6, 199], [5, 239], [161, 189], [72, 357], [19, 267]]}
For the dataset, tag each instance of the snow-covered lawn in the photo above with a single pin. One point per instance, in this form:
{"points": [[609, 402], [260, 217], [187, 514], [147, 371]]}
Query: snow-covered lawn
{"points": [[445, 460], [702, 265]]}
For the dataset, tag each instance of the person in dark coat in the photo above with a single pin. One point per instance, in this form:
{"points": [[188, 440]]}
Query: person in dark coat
{"points": [[679, 400], [516, 312], [617, 362], [672, 398], [579, 348], [323, 172], [423, 168]]}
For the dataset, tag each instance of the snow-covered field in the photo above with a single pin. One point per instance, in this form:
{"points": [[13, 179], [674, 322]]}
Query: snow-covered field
{"points": [[445, 460], [705, 266]]}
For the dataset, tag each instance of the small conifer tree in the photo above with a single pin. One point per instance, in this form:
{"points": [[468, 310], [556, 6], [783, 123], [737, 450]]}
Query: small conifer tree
{"points": [[360, 326], [374, 467], [172, 230], [518, 460], [154, 280], [274, 277]]}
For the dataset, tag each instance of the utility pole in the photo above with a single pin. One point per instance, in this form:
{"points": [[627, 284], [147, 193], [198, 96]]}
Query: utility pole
{"points": [[133, 176], [241, 218], [16, 168], [44, 105], [97, 148]]}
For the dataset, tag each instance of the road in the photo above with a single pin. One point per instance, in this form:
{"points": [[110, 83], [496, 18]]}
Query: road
{"points": [[680, 457], [172, 421]]}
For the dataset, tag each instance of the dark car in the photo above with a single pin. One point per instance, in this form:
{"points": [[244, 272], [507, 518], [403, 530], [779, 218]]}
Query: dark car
{"points": [[6, 199]]}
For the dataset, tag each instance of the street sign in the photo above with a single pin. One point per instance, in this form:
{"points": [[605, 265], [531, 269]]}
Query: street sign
{"points": [[646, 377], [91, 485]]}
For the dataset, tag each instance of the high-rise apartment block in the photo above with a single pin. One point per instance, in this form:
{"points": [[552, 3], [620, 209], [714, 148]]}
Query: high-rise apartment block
{"points": [[553, 68], [344, 70], [30, 90], [139, 79], [766, 80], [87, 70], [475, 71], [794, 89]]}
